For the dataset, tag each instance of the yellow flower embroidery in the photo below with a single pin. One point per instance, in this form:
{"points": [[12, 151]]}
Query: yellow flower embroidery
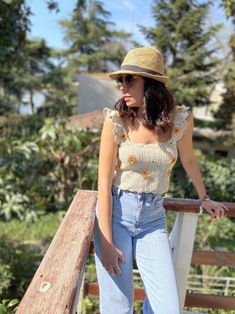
{"points": [[123, 137], [131, 159], [169, 172], [180, 109], [176, 130], [173, 159], [145, 174]]}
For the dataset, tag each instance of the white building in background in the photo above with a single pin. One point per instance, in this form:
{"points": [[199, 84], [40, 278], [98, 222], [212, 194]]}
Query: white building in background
{"points": [[206, 113], [38, 100], [95, 92]]}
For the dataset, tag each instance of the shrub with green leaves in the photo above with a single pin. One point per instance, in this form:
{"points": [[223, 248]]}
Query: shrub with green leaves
{"points": [[18, 263], [42, 171]]}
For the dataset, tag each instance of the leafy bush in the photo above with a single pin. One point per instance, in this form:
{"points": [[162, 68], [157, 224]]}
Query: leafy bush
{"points": [[218, 176], [6, 306], [22, 261], [42, 171]]}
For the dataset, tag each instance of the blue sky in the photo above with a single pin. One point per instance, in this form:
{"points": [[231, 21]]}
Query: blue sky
{"points": [[126, 14]]}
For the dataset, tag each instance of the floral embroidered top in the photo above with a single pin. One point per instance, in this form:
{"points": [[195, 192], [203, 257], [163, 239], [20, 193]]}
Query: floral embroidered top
{"points": [[146, 167]]}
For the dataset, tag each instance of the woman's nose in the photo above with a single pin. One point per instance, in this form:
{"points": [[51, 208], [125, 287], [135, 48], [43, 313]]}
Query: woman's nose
{"points": [[124, 88]]}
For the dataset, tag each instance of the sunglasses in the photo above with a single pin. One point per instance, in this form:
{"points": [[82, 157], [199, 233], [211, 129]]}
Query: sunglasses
{"points": [[129, 81]]}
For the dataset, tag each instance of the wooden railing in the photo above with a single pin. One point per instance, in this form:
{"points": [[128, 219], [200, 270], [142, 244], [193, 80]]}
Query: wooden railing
{"points": [[56, 286]]}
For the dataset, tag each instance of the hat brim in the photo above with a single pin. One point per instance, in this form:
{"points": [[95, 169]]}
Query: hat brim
{"points": [[115, 75]]}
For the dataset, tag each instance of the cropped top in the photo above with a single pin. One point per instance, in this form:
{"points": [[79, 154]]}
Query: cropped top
{"points": [[145, 167]]}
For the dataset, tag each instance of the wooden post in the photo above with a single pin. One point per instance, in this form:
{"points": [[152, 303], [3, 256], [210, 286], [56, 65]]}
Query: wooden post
{"points": [[56, 285], [182, 239], [80, 296]]}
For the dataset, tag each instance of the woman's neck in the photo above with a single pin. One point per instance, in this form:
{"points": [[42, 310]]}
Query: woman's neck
{"points": [[140, 112]]}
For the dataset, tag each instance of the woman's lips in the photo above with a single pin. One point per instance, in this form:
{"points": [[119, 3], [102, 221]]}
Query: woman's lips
{"points": [[127, 97]]}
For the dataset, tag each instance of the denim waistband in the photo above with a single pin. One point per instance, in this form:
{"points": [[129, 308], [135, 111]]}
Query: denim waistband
{"points": [[143, 195]]}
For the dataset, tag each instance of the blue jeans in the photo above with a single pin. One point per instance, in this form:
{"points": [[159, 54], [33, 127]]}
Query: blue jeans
{"points": [[139, 231]]}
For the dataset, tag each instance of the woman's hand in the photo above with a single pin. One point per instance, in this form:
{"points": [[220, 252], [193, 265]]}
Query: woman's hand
{"points": [[215, 209], [110, 257]]}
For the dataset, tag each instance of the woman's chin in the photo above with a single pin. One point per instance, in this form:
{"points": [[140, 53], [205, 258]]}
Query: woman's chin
{"points": [[133, 104]]}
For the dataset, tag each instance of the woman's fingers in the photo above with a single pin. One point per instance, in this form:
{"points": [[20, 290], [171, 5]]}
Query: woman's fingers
{"points": [[219, 211], [215, 209], [113, 269], [117, 269], [224, 207], [210, 211], [121, 256]]}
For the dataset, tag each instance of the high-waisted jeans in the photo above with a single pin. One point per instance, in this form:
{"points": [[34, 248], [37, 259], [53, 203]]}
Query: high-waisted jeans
{"points": [[139, 231]]}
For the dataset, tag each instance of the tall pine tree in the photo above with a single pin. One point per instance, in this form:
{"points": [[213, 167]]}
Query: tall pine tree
{"points": [[226, 112], [225, 115], [182, 35], [93, 45]]}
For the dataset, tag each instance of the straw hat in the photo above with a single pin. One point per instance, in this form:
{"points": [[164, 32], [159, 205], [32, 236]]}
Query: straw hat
{"points": [[143, 61]]}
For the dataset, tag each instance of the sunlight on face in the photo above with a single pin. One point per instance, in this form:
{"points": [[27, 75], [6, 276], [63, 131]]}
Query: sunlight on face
{"points": [[132, 88]]}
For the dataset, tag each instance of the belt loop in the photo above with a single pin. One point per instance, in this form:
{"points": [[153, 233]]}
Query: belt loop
{"points": [[119, 192]]}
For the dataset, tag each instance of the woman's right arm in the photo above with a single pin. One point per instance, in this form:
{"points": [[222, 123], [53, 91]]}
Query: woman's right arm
{"points": [[107, 161]]}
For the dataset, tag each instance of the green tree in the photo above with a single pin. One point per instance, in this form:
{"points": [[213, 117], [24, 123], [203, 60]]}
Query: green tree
{"points": [[28, 77], [229, 6], [43, 163], [57, 102], [226, 112], [181, 34], [14, 24], [92, 43]]}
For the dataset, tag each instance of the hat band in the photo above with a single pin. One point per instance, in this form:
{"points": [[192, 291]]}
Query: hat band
{"points": [[135, 68]]}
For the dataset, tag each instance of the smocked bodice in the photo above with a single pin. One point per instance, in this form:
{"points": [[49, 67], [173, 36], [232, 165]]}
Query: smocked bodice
{"points": [[146, 167]]}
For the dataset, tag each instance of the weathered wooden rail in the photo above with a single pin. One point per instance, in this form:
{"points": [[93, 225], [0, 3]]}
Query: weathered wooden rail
{"points": [[55, 287]]}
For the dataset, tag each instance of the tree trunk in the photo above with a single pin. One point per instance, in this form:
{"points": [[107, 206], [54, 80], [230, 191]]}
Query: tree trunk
{"points": [[31, 101]]}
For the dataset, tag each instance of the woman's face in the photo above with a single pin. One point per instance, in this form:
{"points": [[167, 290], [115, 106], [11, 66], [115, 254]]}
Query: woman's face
{"points": [[132, 88]]}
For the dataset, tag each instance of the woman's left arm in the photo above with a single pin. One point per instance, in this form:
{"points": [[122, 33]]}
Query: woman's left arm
{"points": [[191, 166]]}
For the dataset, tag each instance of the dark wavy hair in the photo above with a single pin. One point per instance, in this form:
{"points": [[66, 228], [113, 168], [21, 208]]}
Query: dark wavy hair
{"points": [[159, 103]]}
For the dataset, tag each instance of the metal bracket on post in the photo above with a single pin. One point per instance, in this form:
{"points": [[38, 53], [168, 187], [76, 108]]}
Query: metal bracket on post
{"points": [[182, 240]]}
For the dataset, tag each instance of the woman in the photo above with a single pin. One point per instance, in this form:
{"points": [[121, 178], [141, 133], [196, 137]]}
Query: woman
{"points": [[139, 146]]}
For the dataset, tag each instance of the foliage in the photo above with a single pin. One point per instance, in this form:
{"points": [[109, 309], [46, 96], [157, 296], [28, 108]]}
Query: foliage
{"points": [[42, 171], [13, 28], [41, 231], [6, 306], [219, 178], [14, 24], [57, 102], [181, 34], [22, 261], [229, 6], [226, 112], [92, 43]]}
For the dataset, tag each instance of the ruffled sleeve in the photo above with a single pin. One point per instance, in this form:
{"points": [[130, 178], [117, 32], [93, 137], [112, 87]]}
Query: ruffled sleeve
{"points": [[118, 129], [180, 122]]}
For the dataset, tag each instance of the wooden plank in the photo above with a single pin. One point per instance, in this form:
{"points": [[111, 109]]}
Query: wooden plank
{"points": [[213, 258], [92, 289], [203, 257], [210, 301], [56, 284], [192, 299], [192, 206]]}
